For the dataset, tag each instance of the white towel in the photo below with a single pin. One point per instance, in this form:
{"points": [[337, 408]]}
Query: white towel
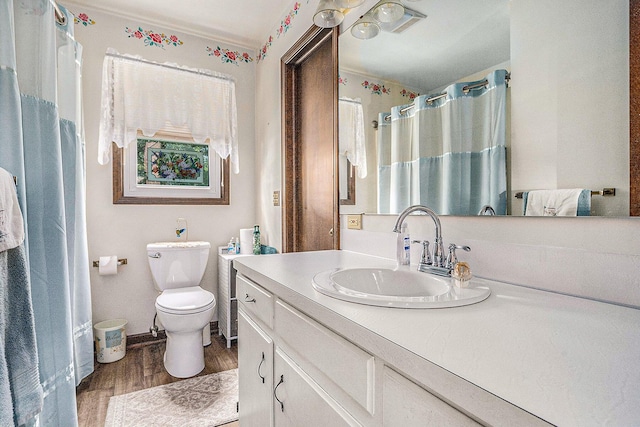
{"points": [[553, 202], [11, 225]]}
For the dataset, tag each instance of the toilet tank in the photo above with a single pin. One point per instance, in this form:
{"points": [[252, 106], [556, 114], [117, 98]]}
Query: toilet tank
{"points": [[177, 264]]}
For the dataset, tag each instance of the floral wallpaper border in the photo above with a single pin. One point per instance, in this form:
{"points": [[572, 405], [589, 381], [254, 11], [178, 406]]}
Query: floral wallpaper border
{"points": [[376, 88], [229, 56], [409, 94], [285, 24], [152, 38], [83, 18]]}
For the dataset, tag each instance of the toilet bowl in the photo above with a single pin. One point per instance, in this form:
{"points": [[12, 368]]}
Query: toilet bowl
{"points": [[183, 307]]}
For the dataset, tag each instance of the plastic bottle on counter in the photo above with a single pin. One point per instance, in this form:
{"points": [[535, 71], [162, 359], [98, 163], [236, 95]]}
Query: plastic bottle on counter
{"points": [[231, 247], [404, 246], [256, 239]]}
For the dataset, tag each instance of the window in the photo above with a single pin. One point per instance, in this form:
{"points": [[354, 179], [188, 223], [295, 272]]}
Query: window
{"points": [[171, 127], [169, 168]]}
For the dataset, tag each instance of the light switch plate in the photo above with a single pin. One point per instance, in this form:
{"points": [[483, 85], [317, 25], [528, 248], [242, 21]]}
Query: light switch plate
{"points": [[354, 222], [276, 198]]}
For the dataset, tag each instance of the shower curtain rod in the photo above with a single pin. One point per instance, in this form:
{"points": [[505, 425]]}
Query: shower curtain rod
{"points": [[433, 98], [61, 18], [172, 67], [351, 101]]}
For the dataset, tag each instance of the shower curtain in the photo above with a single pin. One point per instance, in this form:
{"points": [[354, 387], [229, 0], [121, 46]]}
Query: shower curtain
{"points": [[449, 154], [42, 145]]}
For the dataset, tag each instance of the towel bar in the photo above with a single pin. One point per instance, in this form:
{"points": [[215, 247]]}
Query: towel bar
{"points": [[120, 262], [603, 192]]}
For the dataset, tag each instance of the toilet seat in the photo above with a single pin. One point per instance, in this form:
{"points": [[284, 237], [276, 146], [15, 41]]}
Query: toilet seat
{"points": [[185, 300]]}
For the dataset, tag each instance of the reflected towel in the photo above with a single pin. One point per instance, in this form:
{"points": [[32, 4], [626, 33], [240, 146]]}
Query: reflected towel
{"points": [[570, 202], [11, 225]]}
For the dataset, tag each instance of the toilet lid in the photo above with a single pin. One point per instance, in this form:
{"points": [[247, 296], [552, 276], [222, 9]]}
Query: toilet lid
{"points": [[185, 300]]}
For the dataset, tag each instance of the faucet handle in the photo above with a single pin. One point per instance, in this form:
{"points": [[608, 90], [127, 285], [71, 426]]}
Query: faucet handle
{"points": [[425, 256], [452, 259]]}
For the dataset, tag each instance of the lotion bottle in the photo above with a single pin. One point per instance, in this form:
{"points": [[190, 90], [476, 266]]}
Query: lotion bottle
{"points": [[404, 246]]}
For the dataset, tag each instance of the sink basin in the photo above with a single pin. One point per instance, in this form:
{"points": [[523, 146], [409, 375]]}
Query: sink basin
{"points": [[397, 288]]}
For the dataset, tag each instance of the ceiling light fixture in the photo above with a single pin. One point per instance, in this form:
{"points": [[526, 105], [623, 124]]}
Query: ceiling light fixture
{"points": [[389, 11], [365, 28], [349, 4], [328, 14]]}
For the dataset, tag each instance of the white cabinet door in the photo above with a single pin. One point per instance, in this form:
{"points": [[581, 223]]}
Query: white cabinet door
{"points": [[299, 401], [255, 370], [407, 405]]}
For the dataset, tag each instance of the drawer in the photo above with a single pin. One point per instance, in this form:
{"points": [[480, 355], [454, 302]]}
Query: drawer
{"points": [[257, 302], [329, 359], [407, 404]]}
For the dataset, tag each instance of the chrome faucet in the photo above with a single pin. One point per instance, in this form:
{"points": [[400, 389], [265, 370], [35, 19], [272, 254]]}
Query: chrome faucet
{"points": [[438, 265], [487, 210], [438, 248]]}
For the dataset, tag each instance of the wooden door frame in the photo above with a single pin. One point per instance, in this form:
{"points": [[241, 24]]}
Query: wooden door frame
{"points": [[291, 209]]}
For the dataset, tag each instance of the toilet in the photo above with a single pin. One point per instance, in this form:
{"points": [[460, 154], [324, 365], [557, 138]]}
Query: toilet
{"points": [[183, 307]]}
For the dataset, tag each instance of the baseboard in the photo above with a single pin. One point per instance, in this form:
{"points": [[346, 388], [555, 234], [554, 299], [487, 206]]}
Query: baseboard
{"points": [[147, 338]]}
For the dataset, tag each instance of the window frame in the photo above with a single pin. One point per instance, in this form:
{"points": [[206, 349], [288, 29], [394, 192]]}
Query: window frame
{"points": [[124, 169]]}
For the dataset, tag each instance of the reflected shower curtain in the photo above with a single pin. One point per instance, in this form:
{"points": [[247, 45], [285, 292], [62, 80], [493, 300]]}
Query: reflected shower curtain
{"points": [[42, 144], [450, 154]]}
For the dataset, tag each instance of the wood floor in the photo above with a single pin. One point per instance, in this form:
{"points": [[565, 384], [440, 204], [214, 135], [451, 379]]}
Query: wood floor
{"points": [[141, 368]]}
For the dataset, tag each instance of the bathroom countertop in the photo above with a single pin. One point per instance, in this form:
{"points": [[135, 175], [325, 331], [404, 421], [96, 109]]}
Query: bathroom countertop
{"points": [[568, 360]]}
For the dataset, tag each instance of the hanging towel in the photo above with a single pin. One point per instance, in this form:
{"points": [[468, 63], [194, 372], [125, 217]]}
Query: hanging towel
{"points": [[11, 225], [570, 202], [21, 395]]}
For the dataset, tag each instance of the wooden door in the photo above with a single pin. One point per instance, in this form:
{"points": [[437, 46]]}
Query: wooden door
{"points": [[310, 143]]}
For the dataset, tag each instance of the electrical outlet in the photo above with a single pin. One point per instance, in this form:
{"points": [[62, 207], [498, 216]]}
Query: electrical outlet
{"points": [[276, 198], [354, 222]]}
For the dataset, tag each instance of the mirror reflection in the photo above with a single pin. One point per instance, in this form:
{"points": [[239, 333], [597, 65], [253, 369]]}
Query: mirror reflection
{"points": [[535, 149]]}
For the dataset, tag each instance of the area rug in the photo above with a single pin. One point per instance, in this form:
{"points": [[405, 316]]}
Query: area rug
{"points": [[209, 400]]}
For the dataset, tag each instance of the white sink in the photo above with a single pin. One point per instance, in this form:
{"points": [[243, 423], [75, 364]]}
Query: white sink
{"points": [[397, 288]]}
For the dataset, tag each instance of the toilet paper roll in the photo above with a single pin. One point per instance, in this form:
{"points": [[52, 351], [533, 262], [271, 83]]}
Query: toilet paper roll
{"points": [[108, 265], [246, 240]]}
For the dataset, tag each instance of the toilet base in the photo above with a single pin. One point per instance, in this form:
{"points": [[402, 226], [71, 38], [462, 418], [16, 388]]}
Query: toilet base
{"points": [[184, 355]]}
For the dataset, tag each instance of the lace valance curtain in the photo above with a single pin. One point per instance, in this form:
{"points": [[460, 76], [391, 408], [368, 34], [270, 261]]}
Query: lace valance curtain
{"points": [[352, 142], [141, 95]]}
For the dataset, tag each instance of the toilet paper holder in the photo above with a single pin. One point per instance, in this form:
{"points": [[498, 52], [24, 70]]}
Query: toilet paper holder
{"points": [[122, 261]]}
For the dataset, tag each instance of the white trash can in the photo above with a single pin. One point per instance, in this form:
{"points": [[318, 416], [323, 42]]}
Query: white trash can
{"points": [[111, 340]]}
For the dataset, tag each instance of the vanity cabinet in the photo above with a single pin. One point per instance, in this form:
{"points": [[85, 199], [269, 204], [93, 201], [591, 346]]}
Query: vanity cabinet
{"points": [[255, 359], [296, 371], [300, 401], [273, 387]]}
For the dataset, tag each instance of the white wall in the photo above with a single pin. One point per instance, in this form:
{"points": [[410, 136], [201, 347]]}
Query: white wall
{"points": [[125, 230], [570, 98]]}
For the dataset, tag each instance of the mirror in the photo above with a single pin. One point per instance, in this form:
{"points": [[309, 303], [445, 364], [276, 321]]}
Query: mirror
{"points": [[568, 100]]}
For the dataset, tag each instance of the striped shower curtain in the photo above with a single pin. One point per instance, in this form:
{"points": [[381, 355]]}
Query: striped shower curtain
{"points": [[42, 144], [448, 154]]}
